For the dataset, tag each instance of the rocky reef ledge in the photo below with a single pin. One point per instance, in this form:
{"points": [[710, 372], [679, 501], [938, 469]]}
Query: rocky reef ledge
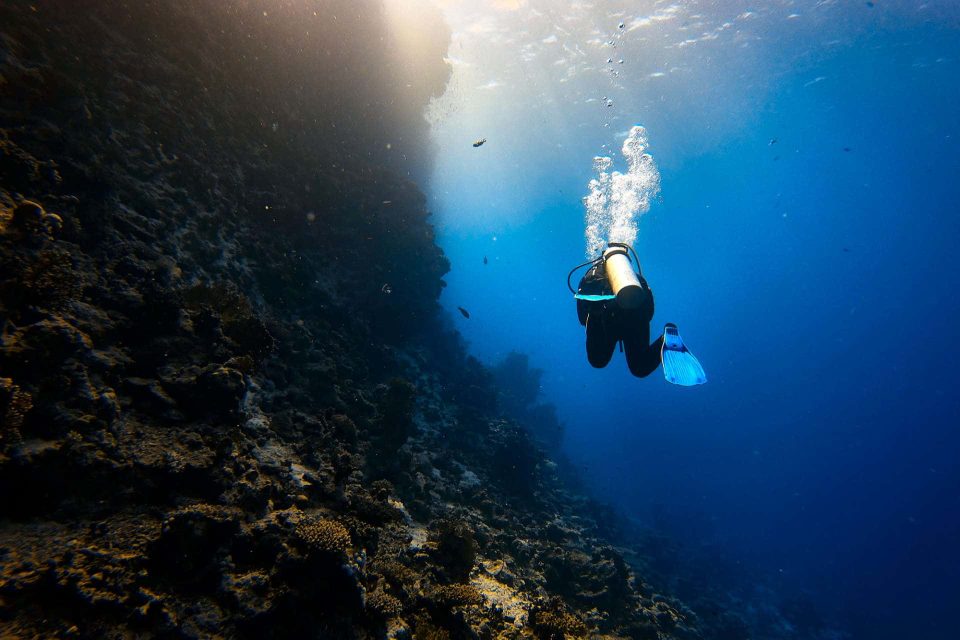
{"points": [[228, 403]]}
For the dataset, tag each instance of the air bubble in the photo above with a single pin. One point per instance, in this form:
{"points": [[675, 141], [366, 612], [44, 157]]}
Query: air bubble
{"points": [[617, 201]]}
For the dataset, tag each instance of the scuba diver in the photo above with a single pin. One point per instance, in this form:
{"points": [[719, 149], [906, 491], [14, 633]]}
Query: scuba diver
{"points": [[615, 304]]}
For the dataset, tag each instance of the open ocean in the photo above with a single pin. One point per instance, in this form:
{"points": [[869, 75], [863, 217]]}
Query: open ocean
{"points": [[804, 240]]}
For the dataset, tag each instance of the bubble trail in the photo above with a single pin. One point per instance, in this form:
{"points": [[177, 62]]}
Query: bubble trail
{"points": [[617, 201]]}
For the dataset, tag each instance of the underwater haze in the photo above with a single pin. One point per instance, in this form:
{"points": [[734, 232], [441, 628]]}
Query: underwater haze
{"points": [[287, 348], [803, 237]]}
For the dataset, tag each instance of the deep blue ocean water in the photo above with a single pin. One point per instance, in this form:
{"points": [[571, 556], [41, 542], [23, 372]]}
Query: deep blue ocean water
{"points": [[805, 241]]}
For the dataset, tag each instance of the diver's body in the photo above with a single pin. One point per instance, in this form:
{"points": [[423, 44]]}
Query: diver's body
{"points": [[615, 304], [608, 323]]}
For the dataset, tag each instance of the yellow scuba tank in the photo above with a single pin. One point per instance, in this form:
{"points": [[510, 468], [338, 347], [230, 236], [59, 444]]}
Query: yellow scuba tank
{"points": [[623, 279]]}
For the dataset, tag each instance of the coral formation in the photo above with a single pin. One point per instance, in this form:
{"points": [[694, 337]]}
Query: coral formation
{"points": [[554, 623], [325, 536], [383, 604], [30, 218], [456, 548], [454, 595], [14, 405], [428, 631]]}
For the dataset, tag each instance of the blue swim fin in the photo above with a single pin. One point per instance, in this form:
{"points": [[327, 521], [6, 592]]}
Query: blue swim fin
{"points": [[679, 365]]}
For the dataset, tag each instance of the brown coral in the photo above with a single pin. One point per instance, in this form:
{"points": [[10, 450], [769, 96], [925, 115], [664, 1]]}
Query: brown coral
{"points": [[455, 595], [456, 548], [14, 405], [383, 604], [397, 574], [554, 623], [426, 630], [30, 217], [48, 280], [325, 536], [344, 428]]}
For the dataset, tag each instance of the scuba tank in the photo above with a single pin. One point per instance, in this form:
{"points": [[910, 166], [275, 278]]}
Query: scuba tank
{"points": [[622, 282]]}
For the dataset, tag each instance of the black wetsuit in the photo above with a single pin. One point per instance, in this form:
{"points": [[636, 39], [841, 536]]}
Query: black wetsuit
{"points": [[608, 323]]}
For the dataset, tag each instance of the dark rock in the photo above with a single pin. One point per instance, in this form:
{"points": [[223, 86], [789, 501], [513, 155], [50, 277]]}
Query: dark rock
{"points": [[212, 390], [456, 548], [344, 428], [192, 546]]}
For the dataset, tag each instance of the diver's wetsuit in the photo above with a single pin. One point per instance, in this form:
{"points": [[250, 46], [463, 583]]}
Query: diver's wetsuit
{"points": [[608, 323]]}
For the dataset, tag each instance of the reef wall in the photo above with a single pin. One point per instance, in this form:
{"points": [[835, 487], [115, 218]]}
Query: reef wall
{"points": [[228, 404]]}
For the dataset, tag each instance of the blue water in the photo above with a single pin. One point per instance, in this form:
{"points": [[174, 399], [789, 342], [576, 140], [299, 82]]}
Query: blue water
{"points": [[805, 242]]}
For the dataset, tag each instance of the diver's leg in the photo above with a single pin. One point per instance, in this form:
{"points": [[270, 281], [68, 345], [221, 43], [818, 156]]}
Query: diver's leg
{"points": [[600, 341], [642, 358], [583, 308]]}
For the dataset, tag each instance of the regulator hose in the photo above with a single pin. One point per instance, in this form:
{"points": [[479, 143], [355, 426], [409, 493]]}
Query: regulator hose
{"points": [[580, 266]]}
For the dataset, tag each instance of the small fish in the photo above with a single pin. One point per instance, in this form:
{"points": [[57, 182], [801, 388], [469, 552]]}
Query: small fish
{"points": [[484, 259], [386, 288], [773, 141], [479, 143], [466, 314], [845, 250], [847, 149]]}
